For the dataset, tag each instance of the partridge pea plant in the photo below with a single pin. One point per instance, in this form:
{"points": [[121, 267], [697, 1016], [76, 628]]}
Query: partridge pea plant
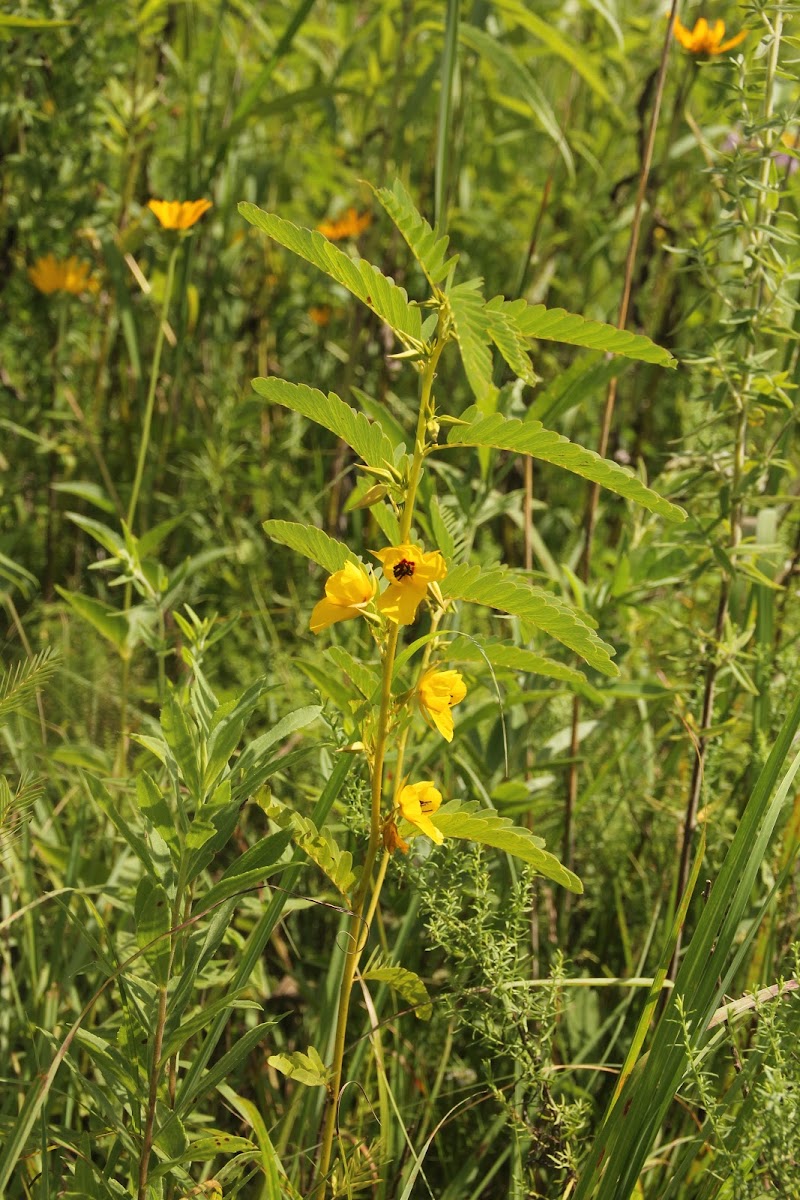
{"points": [[410, 576]]}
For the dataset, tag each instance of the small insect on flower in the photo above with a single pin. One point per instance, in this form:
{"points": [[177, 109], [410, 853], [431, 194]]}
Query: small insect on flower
{"points": [[409, 571], [437, 692], [349, 225], [50, 274], [179, 214], [705, 38], [418, 801], [347, 593]]}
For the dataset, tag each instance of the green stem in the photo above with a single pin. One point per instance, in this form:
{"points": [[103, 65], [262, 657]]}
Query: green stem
{"points": [[151, 393], [358, 930]]}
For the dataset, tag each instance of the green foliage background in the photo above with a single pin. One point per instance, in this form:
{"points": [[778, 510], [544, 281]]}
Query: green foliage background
{"points": [[520, 130]]}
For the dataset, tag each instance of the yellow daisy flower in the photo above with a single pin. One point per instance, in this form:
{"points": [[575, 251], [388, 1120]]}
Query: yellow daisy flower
{"points": [[50, 274], [705, 38], [349, 225], [347, 594], [409, 572], [417, 802], [437, 692], [179, 214]]}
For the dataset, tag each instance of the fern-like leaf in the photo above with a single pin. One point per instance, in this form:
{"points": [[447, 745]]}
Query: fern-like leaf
{"points": [[312, 543], [471, 325], [407, 983], [365, 437], [499, 589], [531, 437], [557, 325], [429, 249], [474, 824], [305, 1068], [382, 295], [509, 341], [512, 658], [318, 844], [19, 685]]}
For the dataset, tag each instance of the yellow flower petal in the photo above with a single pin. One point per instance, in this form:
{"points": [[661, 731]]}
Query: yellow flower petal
{"points": [[417, 802], [400, 603], [347, 594], [178, 214], [437, 692]]}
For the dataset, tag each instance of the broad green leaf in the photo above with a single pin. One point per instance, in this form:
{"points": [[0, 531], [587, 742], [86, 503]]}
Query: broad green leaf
{"points": [[365, 437], [113, 625], [518, 79], [305, 1068], [193, 1024], [152, 917], [107, 538], [557, 325], [499, 589], [181, 736], [313, 543], [92, 493], [250, 869], [471, 326], [530, 437], [474, 824], [407, 983], [514, 658], [254, 765], [382, 295], [429, 249], [318, 844], [153, 805]]}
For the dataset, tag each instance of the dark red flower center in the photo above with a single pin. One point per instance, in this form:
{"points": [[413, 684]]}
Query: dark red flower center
{"points": [[404, 569]]}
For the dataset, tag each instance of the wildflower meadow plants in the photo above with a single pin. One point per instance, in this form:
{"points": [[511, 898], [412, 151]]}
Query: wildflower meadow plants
{"points": [[424, 588]]}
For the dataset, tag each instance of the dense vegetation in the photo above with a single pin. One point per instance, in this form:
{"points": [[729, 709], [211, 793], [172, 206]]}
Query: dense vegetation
{"points": [[396, 798]]}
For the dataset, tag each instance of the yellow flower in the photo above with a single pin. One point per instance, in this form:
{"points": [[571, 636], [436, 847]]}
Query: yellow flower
{"points": [[179, 214], [320, 314], [417, 801], [50, 275], [705, 38], [347, 594], [349, 225], [409, 572], [437, 692]]}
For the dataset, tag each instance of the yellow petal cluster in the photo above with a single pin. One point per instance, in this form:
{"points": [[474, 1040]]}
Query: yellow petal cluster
{"points": [[179, 214], [437, 692], [705, 38], [349, 225], [347, 594], [417, 802], [409, 571], [50, 274]]}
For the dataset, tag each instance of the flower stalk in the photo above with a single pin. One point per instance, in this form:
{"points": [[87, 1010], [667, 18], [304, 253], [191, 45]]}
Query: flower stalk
{"points": [[360, 920]]}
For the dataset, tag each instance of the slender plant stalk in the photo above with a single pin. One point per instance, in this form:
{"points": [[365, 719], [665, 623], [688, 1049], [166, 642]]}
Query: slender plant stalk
{"points": [[144, 441], [449, 64], [568, 850], [360, 921], [761, 221]]}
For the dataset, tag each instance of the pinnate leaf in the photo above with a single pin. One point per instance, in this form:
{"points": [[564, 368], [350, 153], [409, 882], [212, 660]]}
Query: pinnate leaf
{"points": [[365, 437], [474, 824], [318, 844], [499, 589], [531, 437], [407, 983], [514, 658], [382, 295], [558, 325], [305, 1068], [428, 248], [311, 542], [471, 325]]}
